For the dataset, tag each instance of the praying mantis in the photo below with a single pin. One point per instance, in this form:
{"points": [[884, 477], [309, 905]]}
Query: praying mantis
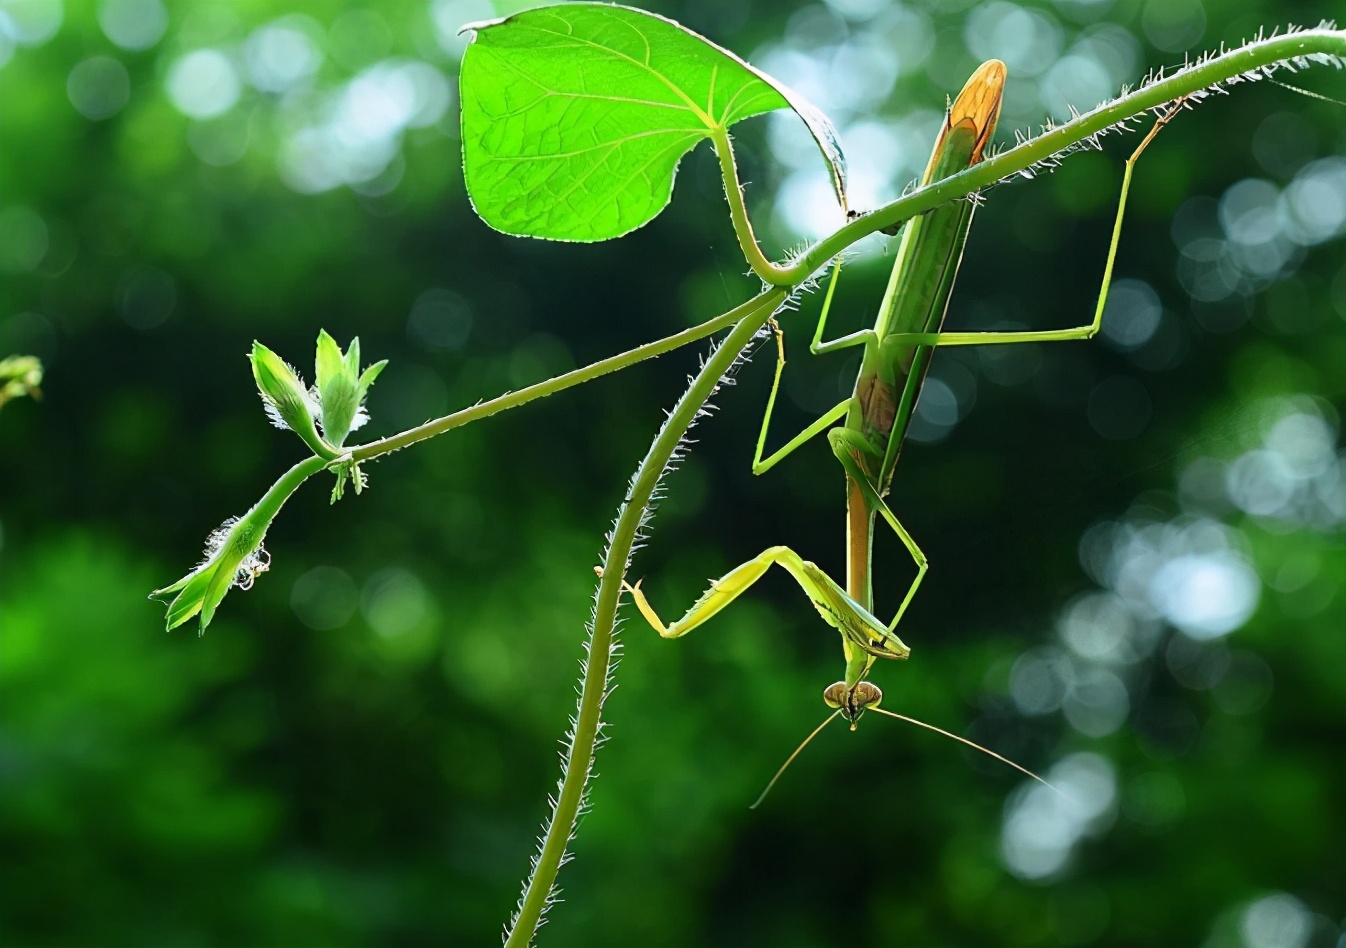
{"points": [[897, 353]]}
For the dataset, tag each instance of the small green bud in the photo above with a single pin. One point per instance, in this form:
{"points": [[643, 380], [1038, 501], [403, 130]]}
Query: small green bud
{"points": [[288, 402], [341, 389], [234, 552], [334, 405], [234, 556]]}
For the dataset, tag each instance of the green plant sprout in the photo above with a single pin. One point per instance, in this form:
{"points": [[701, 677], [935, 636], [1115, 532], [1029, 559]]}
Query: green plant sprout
{"points": [[234, 555], [574, 120]]}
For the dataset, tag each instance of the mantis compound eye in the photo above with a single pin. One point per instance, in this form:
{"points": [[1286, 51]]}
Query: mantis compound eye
{"points": [[853, 702]]}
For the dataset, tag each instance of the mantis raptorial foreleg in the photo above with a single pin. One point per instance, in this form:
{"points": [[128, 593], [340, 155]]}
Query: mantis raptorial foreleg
{"points": [[859, 627], [864, 636]]}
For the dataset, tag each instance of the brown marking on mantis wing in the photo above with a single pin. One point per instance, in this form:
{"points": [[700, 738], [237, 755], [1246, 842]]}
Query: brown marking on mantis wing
{"points": [[878, 407]]}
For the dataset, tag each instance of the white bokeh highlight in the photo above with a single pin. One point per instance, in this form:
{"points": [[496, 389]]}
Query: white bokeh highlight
{"points": [[203, 84]]}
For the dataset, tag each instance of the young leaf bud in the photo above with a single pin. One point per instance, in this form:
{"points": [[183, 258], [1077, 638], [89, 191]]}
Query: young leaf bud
{"points": [[341, 389], [234, 553], [288, 403], [234, 557]]}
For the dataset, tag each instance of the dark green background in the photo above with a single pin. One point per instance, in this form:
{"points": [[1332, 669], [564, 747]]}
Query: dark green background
{"points": [[380, 778]]}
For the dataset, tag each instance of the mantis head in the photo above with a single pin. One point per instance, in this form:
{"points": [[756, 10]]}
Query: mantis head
{"points": [[852, 701]]}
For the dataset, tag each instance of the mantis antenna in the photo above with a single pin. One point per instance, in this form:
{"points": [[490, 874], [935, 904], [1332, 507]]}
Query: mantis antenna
{"points": [[973, 744], [789, 760], [901, 717]]}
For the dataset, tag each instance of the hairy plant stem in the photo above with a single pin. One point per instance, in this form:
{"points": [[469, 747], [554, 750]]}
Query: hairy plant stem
{"points": [[769, 272], [1187, 82], [539, 889], [523, 396]]}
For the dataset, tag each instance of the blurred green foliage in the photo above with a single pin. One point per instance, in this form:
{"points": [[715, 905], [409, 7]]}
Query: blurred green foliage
{"points": [[360, 748], [19, 376]]}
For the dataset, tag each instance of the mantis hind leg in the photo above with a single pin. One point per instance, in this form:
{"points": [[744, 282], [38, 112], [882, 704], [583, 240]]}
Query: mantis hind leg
{"points": [[1087, 331]]}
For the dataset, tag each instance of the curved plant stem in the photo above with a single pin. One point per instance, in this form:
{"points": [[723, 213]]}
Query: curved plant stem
{"points": [[539, 890], [551, 386], [770, 273]]}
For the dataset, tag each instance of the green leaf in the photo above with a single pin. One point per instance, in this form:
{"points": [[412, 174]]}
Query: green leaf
{"points": [[574, 117], [336, 381], [368, 377], [341, 387], [328, 362]]}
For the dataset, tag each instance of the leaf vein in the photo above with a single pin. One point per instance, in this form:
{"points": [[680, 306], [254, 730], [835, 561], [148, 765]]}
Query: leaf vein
{"points": [[610, 144], [670, 84]]}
